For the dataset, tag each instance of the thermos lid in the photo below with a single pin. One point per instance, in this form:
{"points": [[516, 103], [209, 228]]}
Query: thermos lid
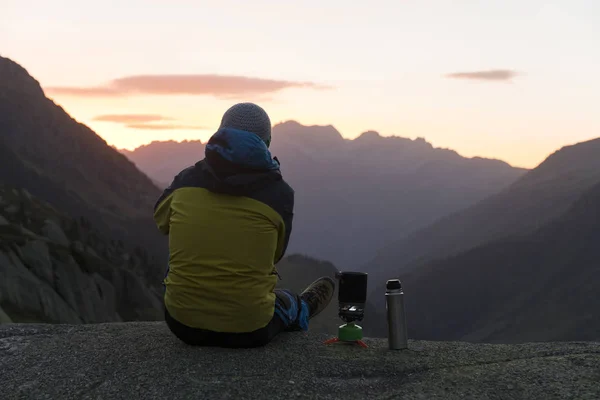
{"points": [[393, 284]]}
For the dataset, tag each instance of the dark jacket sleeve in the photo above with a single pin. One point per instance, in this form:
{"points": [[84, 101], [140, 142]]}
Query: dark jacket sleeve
{"points": [[287, 212], [162, 207]]}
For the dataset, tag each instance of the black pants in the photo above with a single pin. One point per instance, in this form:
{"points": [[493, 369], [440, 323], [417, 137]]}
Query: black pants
{"points": [[257, 338]]}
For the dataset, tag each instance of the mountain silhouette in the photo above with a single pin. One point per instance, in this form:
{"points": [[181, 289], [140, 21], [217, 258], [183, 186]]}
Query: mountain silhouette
{"points": [[541, 195], [59, 160], [537, 287], [355, 196], [157, 161]]}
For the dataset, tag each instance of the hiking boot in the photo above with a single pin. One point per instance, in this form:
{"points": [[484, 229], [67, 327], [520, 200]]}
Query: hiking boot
{"points": [[318, 295]]}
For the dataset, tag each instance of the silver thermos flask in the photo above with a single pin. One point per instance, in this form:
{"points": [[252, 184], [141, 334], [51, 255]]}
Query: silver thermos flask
{"points": [[396, 319]]}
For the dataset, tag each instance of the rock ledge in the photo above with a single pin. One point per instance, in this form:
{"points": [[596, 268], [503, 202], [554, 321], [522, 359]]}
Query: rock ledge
{"points": [[142, 360]]}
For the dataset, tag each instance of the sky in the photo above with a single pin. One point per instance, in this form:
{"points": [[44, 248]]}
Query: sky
{"points": [[512, 80]]}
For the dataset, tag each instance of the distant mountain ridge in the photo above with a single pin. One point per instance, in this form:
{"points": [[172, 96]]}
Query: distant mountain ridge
{"points": [[537, 287], [355, 196], [520, 265], [540, 196], [150, 158]]}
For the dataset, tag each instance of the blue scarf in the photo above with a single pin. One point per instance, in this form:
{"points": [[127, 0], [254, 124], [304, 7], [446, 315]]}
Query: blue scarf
{"points": [[242, 148]]}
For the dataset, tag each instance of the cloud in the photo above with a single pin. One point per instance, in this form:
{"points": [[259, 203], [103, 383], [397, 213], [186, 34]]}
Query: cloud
{"points": [[84, 91], [163, 126], [489, 75], [225, 86], [132, 118], [145, 121]]}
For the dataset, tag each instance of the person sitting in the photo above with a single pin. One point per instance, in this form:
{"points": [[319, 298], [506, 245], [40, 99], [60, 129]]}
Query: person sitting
{"points": [[229, 219]]}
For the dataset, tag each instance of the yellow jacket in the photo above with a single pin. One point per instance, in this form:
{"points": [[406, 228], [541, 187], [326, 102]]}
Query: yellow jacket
{"points": [[229, 219]]}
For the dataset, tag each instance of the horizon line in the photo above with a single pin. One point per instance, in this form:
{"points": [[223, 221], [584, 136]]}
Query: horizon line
{"points": [[379, 135]]}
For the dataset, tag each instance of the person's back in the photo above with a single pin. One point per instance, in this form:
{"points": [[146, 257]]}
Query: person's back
{"points": [[229, 220]]}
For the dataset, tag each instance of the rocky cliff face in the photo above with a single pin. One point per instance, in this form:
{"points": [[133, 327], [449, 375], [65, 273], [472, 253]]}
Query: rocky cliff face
{"points": [[57, 159], [60, 270]]}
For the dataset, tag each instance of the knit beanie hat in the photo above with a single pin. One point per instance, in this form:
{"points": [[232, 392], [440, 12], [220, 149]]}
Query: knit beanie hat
{"points": [[248, 117]]}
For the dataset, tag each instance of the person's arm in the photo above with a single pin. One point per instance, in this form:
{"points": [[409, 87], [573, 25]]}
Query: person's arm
{"points": [[162, 211], [162, 207], [288, 217]]}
